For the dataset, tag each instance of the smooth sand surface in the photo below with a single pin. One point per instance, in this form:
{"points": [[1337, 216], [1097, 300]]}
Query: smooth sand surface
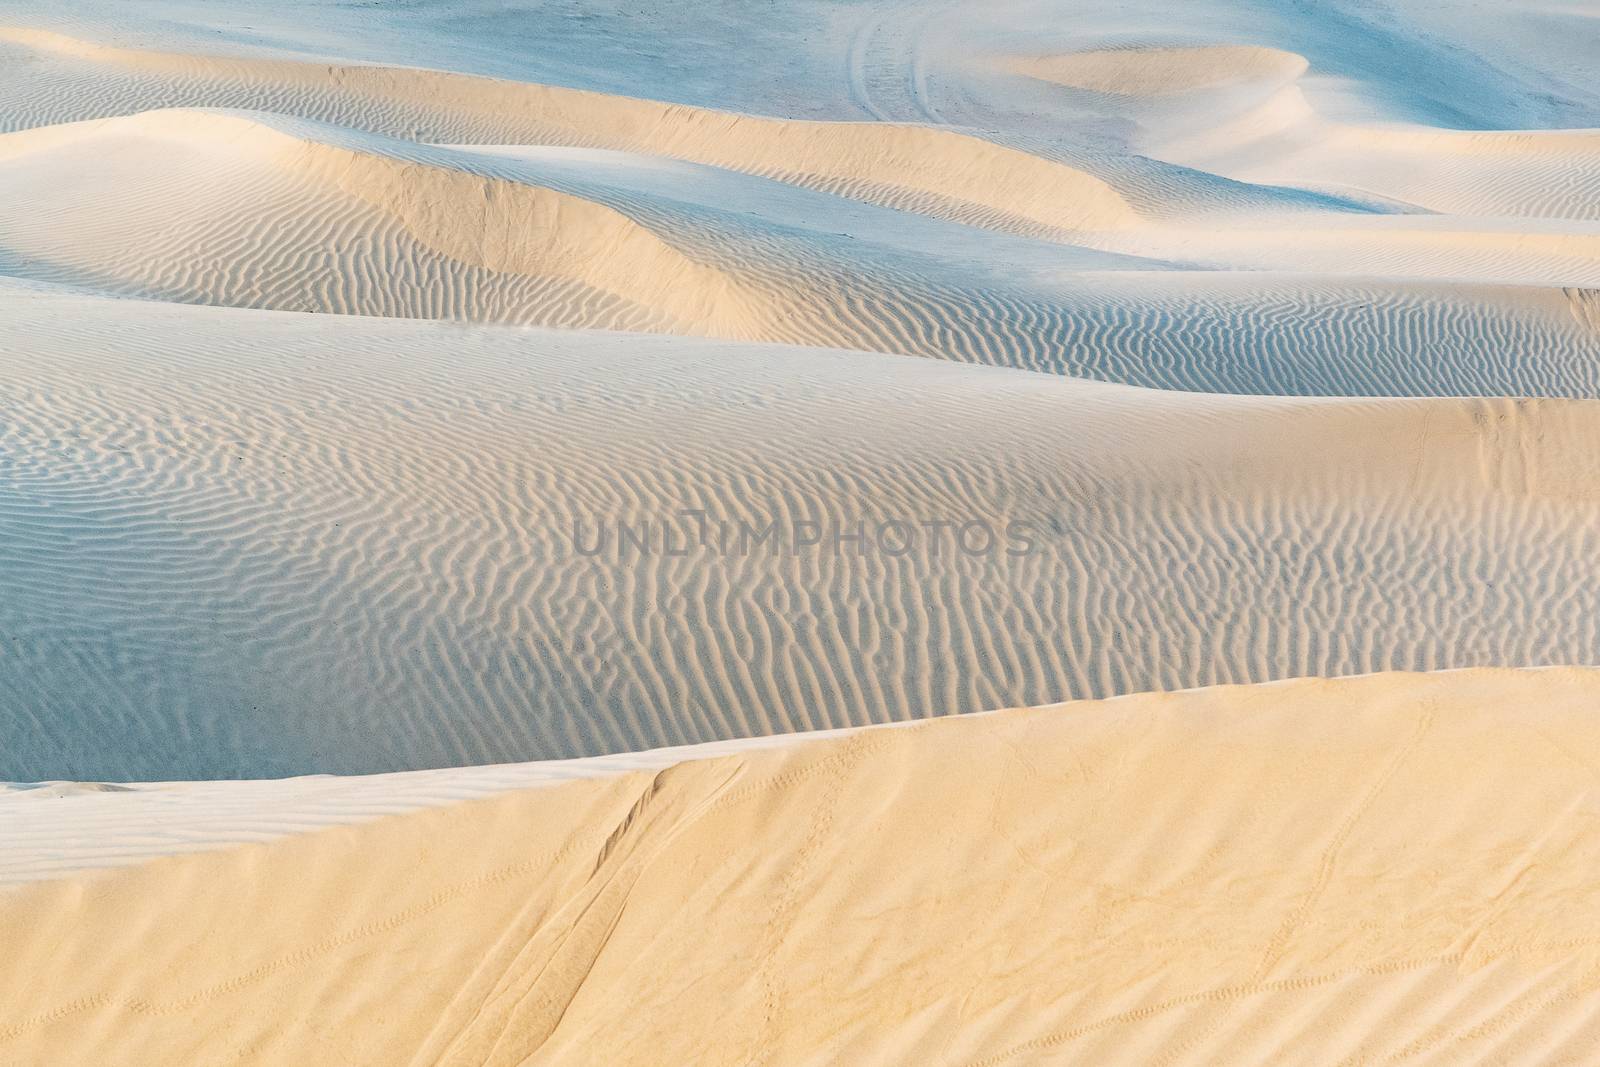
{"points": [[1382, 869]]}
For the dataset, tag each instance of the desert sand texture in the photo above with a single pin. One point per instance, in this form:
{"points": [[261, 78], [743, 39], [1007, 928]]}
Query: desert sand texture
{"points": [[516, 518]]}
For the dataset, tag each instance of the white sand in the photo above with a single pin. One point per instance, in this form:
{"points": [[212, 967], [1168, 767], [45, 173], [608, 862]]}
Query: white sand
{"points": [[331, 331], [255, 544]]}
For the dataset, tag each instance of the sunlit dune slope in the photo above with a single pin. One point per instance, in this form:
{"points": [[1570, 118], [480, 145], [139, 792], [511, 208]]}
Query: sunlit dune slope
{"points": [[1390, 866]]}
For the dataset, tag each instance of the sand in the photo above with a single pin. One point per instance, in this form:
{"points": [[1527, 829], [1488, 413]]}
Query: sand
{"points": [[254, 544], [1236, 875], [492, 493]]}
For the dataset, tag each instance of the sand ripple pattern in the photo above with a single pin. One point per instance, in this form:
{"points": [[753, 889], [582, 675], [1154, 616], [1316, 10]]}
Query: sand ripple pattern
{"points": [[237, 552], [305, 217], [324, 190], [310, 368]]}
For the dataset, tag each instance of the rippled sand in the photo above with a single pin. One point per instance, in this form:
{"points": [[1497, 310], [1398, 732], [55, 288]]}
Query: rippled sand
{"points": [[463, 397]]}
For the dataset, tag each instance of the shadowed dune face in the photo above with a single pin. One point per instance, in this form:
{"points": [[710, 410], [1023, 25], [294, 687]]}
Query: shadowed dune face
{"points": [[314, 545]]}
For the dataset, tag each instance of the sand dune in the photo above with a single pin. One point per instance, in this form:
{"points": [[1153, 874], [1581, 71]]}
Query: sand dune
{"points": [[908, 167], [1255, 875], [252, 210], [335, 229], [1277, 138], [55, 830], [1244, 113], [512, 516], [316, 545], [570, 208]]}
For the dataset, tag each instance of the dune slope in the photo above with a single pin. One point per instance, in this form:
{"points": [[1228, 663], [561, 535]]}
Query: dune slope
{"points": [[1388, 867], [322, 543]]}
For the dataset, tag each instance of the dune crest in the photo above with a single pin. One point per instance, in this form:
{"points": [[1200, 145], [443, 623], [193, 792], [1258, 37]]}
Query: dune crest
{"points": [[1156, 72]]}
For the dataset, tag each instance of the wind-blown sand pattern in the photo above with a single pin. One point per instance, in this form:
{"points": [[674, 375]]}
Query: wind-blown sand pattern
{"points": [[499, 483], [307, 544]]}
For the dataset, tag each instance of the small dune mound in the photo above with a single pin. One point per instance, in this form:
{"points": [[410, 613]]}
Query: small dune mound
{"points": [[1160, 72], [514, 228], [210, 206], [1540, 174], [937, 172]]}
